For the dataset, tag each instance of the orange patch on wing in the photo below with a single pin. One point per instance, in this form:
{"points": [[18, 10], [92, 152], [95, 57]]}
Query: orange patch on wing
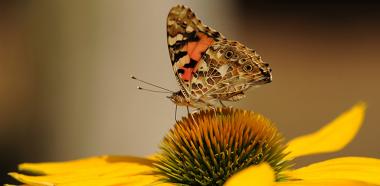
{"points": [[187, 74], [194, 51], [195, 48]]}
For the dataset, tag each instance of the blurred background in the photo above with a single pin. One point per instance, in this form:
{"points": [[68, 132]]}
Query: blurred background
{"points": [[65, 66]]}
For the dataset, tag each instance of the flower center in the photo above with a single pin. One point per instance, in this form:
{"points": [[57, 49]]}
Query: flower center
{"points": [[209, 146]]}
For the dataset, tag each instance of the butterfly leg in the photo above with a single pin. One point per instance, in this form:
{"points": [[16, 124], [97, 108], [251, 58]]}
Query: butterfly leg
{"points": [[223, 105], [188, 111], [175, 113]]}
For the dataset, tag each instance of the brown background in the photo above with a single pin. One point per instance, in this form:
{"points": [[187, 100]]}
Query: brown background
{"points": [[65, 91]]}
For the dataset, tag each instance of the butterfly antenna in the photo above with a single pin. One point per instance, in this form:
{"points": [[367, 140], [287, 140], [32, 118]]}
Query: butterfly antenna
{"points": [[142, 81], [150, 90]]}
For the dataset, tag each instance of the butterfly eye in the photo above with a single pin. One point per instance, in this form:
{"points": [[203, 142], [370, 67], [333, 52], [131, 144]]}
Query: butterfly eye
{"points": [[229, 54], [247, 68]]}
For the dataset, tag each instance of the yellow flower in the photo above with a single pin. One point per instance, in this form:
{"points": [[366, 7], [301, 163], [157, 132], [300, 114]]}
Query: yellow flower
{"points": [[265, 161]]}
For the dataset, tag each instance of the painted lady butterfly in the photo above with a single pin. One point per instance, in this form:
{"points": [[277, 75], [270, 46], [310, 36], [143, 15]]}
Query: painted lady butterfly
{"points": [[209, 68]]}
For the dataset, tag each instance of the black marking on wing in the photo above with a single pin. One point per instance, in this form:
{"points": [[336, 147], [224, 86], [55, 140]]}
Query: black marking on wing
{"points": [[215, 34], [192, 64], [178, 56], [180, 71], [193, 37]]}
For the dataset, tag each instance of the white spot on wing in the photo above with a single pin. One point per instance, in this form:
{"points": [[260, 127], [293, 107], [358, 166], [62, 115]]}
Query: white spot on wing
{"points": [[179, 37], [223, 69], [218, 55], [173, 40], [189, 28], [171, 22], [202, 66]]}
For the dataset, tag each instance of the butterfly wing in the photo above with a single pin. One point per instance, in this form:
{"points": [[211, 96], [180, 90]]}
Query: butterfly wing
{"points": [[188, 40], [208, 66], [226, 70]]}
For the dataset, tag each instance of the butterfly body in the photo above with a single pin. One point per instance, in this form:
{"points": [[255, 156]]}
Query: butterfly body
{"points": [[209, 68]]}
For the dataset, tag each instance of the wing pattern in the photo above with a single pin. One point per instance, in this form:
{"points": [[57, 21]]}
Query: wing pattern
{"points": [[188, 39]]}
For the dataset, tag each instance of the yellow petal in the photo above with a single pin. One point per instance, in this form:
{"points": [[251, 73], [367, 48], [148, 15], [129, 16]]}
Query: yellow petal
{"points": [[323, 183], [141, 180], [347, 168], [332, 137], [77, 165], [102, 170], [76, 180], [261, 175]]}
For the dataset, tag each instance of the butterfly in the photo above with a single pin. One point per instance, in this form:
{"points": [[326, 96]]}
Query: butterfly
{"points": [[208, 67]]}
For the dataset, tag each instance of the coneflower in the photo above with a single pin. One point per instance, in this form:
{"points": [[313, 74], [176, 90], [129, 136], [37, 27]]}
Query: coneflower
{"points": [[209, 146]]}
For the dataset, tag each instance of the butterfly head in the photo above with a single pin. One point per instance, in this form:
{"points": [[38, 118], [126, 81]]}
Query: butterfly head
{"points": [[178, 98]]}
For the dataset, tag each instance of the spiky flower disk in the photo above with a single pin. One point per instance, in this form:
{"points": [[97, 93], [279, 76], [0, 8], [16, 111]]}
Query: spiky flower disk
{"points": [[209, 146]]}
